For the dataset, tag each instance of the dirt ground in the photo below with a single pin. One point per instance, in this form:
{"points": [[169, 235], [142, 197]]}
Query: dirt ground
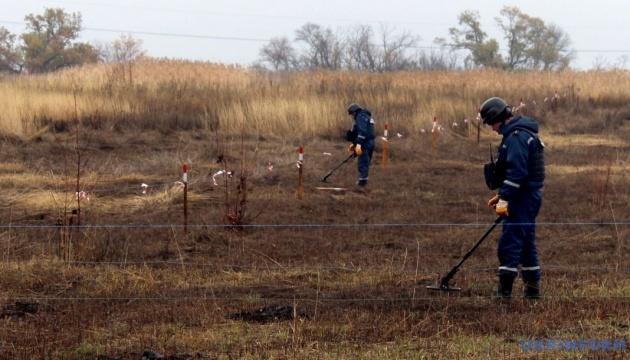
{"points": [[353, 266]]}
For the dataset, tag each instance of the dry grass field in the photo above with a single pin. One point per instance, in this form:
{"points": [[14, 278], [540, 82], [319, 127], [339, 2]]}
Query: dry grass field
{"points": [[353, 265]]}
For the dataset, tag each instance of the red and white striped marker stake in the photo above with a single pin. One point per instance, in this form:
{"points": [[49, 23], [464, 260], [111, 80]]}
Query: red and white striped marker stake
{"points": [[478, 125], [300, 165], [185, 181], [385, 146], [434, 134]]}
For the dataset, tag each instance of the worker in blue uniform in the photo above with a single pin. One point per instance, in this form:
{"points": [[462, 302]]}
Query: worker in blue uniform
{"points": [[361, 135], [518, 174]]}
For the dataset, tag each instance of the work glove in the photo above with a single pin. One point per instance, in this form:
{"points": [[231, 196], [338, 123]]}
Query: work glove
{"points": [[501, 208], [492, 203], [357, 150]]}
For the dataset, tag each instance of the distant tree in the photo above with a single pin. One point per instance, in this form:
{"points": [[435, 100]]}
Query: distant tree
{"points": [[10, 57], [123, 52], [469, 36], [532, 44], [360, 48], [552, 50], [324, 50], [49, 43], [279, 54], [361, 52], [515, 26], [395, 49], [125, 49], [439, 58], [391, 52]]}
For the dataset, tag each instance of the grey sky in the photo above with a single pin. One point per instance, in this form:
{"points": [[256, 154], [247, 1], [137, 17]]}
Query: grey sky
{"points": [[592, 25]]}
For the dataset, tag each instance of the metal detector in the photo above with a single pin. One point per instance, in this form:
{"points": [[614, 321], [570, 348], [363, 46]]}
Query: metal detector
{"points": [[338, 166], [443, 284]]}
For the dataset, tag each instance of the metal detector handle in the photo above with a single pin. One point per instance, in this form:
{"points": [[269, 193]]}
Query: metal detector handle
{"points": [[351, 156], [449, 276]]}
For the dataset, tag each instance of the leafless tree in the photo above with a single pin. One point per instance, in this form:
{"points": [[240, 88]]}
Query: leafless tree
{"points": [[395, 50], [361, 52], [438, 58], [279, 54], [125, 49], [323, 48]]}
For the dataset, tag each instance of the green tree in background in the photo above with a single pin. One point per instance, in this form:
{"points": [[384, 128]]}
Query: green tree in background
{"points": [[49, 43], [484, 52], [532, 44], [10, 56]]}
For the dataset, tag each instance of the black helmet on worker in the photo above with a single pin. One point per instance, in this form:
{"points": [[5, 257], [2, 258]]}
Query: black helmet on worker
{"points": [[495, 110], [353, 108]]}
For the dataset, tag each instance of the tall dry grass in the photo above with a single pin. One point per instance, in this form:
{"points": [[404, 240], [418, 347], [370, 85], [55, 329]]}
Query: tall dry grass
{"points": [[178, 95]]}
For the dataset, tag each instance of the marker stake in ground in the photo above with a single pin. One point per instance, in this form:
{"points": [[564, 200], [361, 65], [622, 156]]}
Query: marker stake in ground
{"points": [[185, 181], [385, 146], [434, 134], [300, 166]]}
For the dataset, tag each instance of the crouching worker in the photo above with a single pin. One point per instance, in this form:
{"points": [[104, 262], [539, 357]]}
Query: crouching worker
{"points": [[361, 135], [518, 173]]}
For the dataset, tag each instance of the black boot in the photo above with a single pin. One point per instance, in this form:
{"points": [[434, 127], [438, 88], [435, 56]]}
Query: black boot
{"points": [[532, 290], [505, 286]]}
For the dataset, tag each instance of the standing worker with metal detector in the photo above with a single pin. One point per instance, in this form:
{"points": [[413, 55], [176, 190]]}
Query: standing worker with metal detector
{"points": [[518, 173], [361, 135]]}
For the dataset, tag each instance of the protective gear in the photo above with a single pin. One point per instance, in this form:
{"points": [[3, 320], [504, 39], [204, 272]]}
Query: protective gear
{"points": [[517, 244], [495, 110], [521, 160], [501, 208], [506, 281], [351, 135], [358, 150], [362, 135], [494, 174], [353, 108], [362, 128], [521, 156], [364, 160], [492, 203], [532, 290]]}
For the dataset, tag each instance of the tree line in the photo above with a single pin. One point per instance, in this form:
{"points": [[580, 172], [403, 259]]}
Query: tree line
{"points": [[50, 43], [530, 44]]}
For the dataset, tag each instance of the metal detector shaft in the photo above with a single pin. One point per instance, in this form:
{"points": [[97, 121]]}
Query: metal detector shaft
{"points": [[444, 283], [338, 166]]}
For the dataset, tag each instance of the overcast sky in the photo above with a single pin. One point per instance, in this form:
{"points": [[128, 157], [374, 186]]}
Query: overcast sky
{"points": [[598, 29]]}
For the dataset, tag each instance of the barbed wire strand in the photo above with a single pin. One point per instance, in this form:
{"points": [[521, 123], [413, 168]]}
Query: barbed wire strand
{"points": [[450, 296], [313, 268], [346, 225]]}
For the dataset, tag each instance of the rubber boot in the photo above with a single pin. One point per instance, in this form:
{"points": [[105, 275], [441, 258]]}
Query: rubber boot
{"points": [[532, 290], [504, 290]]}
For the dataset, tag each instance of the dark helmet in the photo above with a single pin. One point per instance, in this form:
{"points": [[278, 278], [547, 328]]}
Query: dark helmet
{"points": [[353, 108], [495, 110]]}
